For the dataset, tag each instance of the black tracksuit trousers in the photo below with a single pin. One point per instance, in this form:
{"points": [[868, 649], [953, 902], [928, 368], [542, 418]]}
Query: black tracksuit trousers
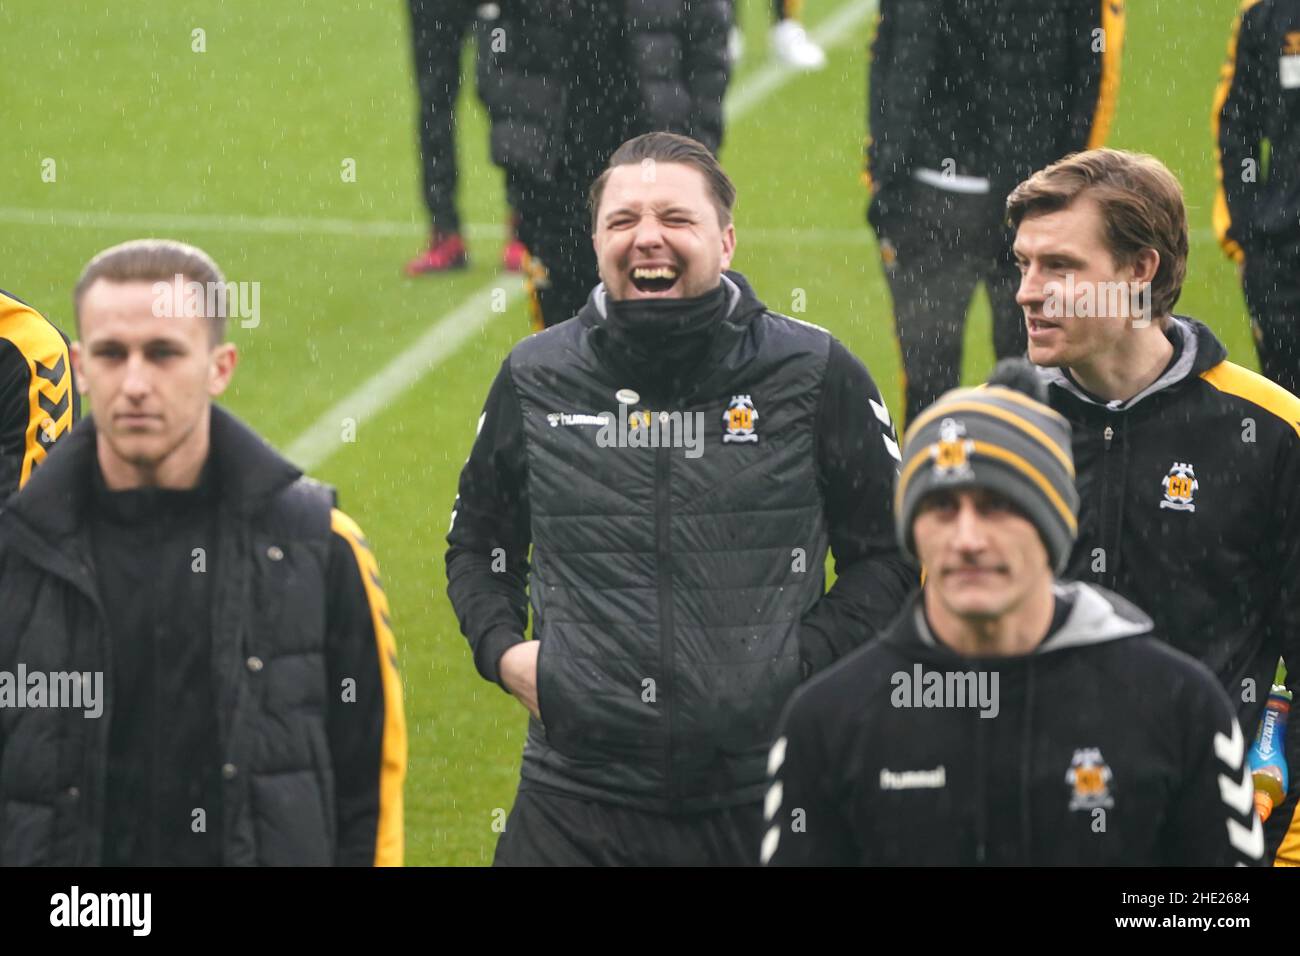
{"points": [[438, 29], [936, 246], [1271, 283], [547, 828]]}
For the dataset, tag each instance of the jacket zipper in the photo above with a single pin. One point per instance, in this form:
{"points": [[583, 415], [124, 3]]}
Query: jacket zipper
{"points": [[82, 579], [1107, 435], [663, 549], [1026, 774], [981, 796]]}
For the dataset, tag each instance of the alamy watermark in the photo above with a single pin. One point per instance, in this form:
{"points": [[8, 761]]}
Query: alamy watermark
{"points": [[78, 690], [1090, 300], [130, 910], [185, 298], [948, 689], [640, 429]]}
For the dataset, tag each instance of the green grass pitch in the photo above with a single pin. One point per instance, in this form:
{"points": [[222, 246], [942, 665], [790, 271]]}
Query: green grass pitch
{"points": [[224, 148]]}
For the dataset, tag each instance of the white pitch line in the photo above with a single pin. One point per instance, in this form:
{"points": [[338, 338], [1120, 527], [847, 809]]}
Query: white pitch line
{"points": [[372, 228], [759, 85], [438, 342], [201, 222], [441, 340], [834, 30], [446, 335], [352, 228]]}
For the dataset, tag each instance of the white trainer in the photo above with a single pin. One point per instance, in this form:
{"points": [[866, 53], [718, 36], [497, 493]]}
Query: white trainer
{"points": [[792, 46], [735, 45]]}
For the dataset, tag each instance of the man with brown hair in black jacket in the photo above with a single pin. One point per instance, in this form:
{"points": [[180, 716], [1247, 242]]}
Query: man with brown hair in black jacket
{"points": [[1189, 465], [678, 460]]}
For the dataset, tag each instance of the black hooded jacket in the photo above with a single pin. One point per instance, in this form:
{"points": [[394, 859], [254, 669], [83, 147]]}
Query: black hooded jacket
{"points": [[677, 591], [309, 731], [1102, 747], [1257, 206], [1189, 506], [989, 89], [38, 391], [562, 77]]}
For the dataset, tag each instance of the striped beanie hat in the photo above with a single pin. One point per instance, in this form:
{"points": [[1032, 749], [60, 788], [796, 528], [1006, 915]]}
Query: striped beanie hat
{"points": [[1002, 437]]}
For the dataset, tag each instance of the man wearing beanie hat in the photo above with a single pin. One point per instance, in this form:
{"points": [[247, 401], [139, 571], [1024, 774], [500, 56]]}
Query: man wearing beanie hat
{"points": [[1007, 717]]}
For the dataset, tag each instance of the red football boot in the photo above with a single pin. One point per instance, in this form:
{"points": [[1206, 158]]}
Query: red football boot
{"points": [[512, 255], [445, 253]]}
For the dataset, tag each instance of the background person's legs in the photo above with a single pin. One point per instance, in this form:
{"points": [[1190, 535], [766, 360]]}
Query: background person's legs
{"points": [[555, 227], [1001, 282], [1271, 284], [931, 276], [790, 41], [930, 301], [438, 29]]}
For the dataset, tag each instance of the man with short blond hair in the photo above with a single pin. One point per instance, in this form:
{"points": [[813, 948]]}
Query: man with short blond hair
{"points": [[253, 708], [1188, 465]]}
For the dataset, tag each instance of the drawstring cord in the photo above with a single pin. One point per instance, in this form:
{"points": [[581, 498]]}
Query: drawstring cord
{"points": [[1026, 741], [981, 834]]}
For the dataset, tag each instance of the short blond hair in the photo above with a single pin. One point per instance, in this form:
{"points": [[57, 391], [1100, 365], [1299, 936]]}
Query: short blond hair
{"points": [[155, 260]]}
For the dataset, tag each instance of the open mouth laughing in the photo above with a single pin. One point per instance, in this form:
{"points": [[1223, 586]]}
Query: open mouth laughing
{"points": [[654, 280]]}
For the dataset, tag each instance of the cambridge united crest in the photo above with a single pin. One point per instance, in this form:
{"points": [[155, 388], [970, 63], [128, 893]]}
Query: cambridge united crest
{"points": [[952, 452], [1180, 486], [1089, 778], [739, 420]]}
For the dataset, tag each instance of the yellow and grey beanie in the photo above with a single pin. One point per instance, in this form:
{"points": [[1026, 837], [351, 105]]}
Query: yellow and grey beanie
{"points": [[1000, 436]]}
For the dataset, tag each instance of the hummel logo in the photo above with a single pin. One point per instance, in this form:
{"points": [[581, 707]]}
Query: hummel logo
{"points": [[51, 373], [914, 779]]}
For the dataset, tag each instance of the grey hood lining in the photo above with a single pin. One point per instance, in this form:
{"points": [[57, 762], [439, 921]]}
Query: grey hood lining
{"points": [[1094, 619], [1172, 376]]}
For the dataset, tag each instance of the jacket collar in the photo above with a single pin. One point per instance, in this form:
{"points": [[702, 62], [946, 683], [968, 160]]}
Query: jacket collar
{"points": [[1201, 350], [52, 504], [1096, 616], [599, 298], [743, 306]]}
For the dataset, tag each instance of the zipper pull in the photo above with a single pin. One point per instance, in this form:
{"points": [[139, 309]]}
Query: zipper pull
{"points": [[1108, 434]]}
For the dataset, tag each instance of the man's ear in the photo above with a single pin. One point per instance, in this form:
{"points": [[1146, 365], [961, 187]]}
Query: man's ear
{"points": [[76, 355], [1145, 265], [221, 366], [728, 245], [595, 248]]}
